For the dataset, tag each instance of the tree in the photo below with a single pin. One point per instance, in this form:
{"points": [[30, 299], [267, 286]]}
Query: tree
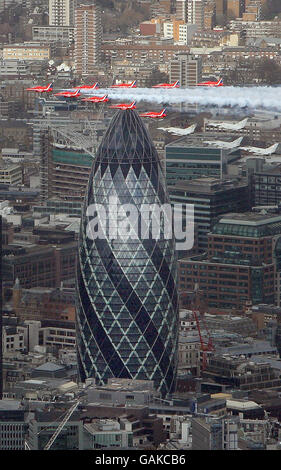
{"points": [[270, 9], [157, 77]]}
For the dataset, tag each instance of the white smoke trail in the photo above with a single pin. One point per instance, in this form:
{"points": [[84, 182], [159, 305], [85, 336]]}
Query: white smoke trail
{"points": [[243, 97]]}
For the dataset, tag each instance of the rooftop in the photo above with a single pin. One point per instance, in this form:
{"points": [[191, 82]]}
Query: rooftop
{"points": [[49, 367], [249, 218], [200, 140], [209, 185]]}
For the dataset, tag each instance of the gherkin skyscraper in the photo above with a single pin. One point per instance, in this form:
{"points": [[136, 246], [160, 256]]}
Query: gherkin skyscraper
{"points": [[127, 307]]}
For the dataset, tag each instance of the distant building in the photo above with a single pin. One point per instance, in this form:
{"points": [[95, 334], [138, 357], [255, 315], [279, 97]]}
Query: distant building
{"points": [[88, 37], [235, 9], [106, 434], [214, 434], [122, 392], [195, 12], [64, 170], [10, 173], [241, 373], [187, 69], [13, 427], [44, 266], [211, 197], [26, 51], [39, 303], [191, 157], [60, 34], [241, 265], [44, 424], [61, 12]]}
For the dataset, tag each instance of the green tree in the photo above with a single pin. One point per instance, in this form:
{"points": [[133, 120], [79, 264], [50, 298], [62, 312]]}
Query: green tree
{"points": [[157, 77]]}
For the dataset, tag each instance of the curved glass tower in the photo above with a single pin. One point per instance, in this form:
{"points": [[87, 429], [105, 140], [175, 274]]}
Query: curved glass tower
{"points": [[127, 309]]}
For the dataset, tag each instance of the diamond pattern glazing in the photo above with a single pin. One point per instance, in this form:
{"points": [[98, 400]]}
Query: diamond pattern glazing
{"points": [[127, 309]]}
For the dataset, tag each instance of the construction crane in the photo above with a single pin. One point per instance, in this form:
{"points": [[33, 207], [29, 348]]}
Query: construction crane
{"points": [[198, 311], [49, 444], [204, 347], [61, 425]]}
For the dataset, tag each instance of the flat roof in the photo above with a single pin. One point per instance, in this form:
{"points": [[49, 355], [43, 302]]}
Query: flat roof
{"points": [[50, 366], [208, 185], [241, 404], [249, 218], [198, 140]]}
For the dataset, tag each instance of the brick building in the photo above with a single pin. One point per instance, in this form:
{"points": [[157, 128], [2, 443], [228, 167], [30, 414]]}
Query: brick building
{"points": [[241, 266]]}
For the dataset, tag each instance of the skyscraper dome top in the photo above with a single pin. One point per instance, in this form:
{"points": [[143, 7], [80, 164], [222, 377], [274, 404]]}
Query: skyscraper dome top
{"points": [[126, 141]]}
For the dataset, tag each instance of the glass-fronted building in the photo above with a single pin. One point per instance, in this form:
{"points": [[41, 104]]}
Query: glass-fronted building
{"points": [[193, 156], [127, 311]]}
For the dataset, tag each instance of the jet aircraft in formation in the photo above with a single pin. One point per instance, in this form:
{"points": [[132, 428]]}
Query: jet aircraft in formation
{"points": [[211, 84], [89, 87], [69, 94], [167, 85], [260, 151], [236, 126], [178, 130], [97, 99], [154, 115], [42, 89], [223, 144], [125, 85], [124, 106]]}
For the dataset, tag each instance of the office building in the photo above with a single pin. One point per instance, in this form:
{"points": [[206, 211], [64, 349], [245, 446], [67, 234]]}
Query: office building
{"points": [[187, 69], [61, 34], [211, 197], [267, 185], [10, 173], [242, 374], [241, 266], [106, 434], [192, 157], [36, 265], [87, 38], [61, 12], [214, 434], [64, 170], [127, 312], [13, 427], [26, 51], [44, 424]]}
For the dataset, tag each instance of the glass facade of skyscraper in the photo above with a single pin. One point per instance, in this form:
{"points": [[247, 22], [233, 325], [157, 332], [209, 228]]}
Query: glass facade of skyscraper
{"points": [[127, 310]]}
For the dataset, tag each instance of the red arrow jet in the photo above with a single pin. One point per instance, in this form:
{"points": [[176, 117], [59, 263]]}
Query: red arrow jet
{"points": [[125, 85], [168, 85], [69, 94], [154, 115], [124, 106], [42, 89], [218, 83], [89, 87], [97, 99]]}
